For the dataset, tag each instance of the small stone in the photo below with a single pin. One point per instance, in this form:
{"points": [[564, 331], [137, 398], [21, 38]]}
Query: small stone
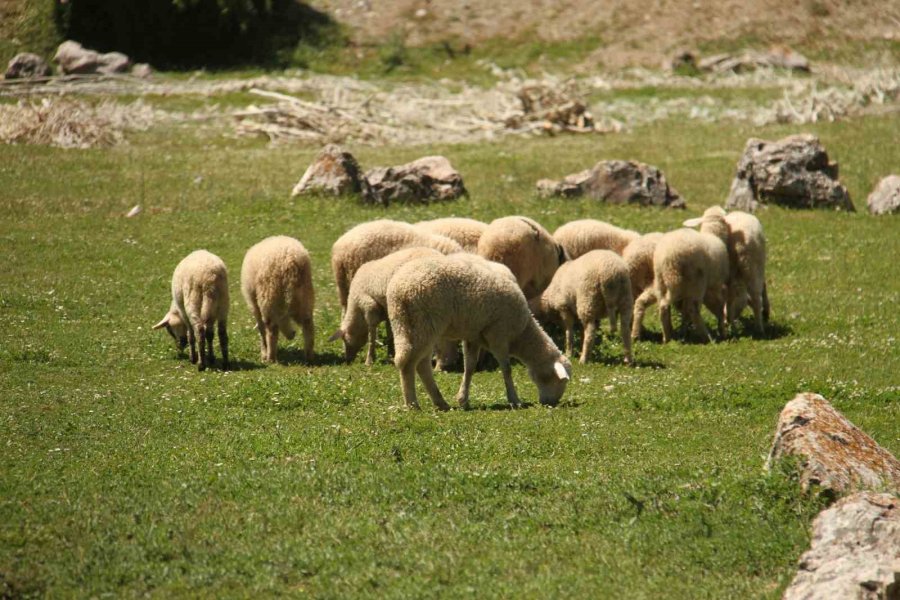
{"points": [[885, 198], [794, 172], [335, 172], [27, 65], [854, 553], [836, 455], [616, 182]]}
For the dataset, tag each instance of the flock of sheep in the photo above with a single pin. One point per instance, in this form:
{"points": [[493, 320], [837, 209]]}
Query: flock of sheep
{"points": [[487, 285]]}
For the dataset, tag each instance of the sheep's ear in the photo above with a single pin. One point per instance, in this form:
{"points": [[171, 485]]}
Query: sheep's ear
{"points": [[162, 323], [560, 370], [337, 335], [693, 222]]}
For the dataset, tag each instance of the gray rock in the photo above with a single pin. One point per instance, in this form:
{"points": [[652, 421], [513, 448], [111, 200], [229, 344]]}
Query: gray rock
{"points": [[835, 454], [855, 552], [750, 61], [428, 179], [616, 182], [74, 59], [27, 65], [335, 172], [794, 172], [885, 198]]}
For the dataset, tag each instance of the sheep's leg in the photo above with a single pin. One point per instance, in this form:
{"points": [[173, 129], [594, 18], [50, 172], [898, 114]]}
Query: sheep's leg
{"points": [[271, 343], [470, 362], [426, 374], [447, 352], [511, 396], [201, 342], [590, 332], [625, 326], [737, 299], [222, 327], [693, 312], [569, 324], [210, 354], [406, 365], [373, 339], [192, 340], [716, 304], [765, 302], [309, 338], [665, 317], [612, 315], [756, 303], [646, 299], [261, 328], [389, 338]]}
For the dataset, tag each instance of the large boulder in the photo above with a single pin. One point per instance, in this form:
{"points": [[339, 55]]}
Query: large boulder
{"points": [[835, 454], [616, 182], [74, 59], [855, 552], [334, 172], [428, 179], [885, 198], [27, 65], [793, 172]]}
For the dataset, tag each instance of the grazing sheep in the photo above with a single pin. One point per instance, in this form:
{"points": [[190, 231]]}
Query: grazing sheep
{"points": [[199, 300], [747, 261], [582, 236], [588, 288], [465, 232], [434, 298], [689, 268], [526, 248], [373, 240], [367, 302], [638, 255], [276, 281]]}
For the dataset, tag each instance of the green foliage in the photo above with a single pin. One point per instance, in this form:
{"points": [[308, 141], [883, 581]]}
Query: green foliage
{"points": [[125, 472]]}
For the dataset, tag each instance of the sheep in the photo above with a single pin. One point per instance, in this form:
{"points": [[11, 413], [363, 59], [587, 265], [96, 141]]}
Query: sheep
{"points": [[689, 268], [276, 282], [526, 248], [367, 303], [580, 237], [199, 300], [465, 232], [593, 285], [433, 298], [638, 255], [373, 240], [747, 261]]}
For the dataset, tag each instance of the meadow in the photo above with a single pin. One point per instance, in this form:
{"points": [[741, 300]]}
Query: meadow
{"points": [[125, 472]]}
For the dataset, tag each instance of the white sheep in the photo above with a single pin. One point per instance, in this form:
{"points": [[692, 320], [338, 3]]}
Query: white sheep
{"points": [[582, 236], [689, 269], [747, 261], [638, 255], [276, 281], [465, 232], [199, 300], [434, 298], [526, 248], [374, 240], [367, 301], [594, 285]]}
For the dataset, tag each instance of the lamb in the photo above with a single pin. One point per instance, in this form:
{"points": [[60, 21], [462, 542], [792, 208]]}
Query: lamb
{"points": [[689, 268], [587, 288], [747, 261], [638, 255], [276, 281], [580, 237], [433, 298], [199, 300], [465, 232], [374, 240], [526, 248], [367, 302]]}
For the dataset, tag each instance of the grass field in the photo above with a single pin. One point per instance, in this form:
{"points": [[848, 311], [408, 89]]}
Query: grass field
{"points": [[125, 472]]}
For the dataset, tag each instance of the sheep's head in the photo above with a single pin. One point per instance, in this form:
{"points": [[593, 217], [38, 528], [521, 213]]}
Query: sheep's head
{"points": [[354, 339], [176, 327], [713, 222], [551, 380]]}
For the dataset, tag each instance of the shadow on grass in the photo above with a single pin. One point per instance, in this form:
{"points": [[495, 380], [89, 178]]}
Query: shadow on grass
{"points": [[296, 356], [774, 330], [240, 365]]}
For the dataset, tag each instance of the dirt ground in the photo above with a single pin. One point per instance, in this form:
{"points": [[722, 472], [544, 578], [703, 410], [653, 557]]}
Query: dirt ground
{"points": [[634, 33]]}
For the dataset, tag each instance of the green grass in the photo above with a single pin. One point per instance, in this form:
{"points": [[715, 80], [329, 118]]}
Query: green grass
{"points": [[125, 472]]}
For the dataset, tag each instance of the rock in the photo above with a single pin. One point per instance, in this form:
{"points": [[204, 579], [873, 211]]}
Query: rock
{"points": [[428, 179], [335, 171], [885, 198], [73, 59], [780, 58], [855, 551], [27, 65], [141, 70], [794, 172], [616, 182], [835, 454]]}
